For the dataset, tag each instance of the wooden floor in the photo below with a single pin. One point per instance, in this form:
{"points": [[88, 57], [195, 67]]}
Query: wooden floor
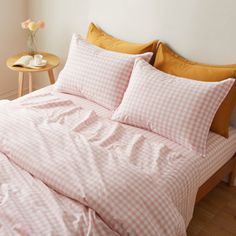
{"points": [[215, 215]]}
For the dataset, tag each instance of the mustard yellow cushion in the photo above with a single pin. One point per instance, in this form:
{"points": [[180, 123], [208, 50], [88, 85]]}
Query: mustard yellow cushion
{"points": [[101, 39], [169, 62]]}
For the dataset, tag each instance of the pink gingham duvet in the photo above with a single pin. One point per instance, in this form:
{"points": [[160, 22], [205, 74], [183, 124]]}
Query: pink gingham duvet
{"points": [[66, 171]]}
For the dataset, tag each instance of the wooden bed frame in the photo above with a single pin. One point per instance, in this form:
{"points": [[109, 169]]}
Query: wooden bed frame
{"points": [[229, 169]]}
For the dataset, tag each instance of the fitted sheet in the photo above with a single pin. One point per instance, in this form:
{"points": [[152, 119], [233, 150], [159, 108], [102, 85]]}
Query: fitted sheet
{"points": [[219, 149]]}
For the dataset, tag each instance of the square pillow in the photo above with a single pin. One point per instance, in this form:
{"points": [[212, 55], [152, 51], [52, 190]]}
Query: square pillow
{"points": [[171, 63], [101, 39], [177, 108], [97, 74]]}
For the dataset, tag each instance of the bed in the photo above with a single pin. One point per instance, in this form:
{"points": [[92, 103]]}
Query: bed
{"points": [[117, 146], [32, 204], [220, 150]]}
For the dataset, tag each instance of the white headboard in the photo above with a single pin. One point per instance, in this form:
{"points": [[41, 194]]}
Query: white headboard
{"points": [[200, 30]]}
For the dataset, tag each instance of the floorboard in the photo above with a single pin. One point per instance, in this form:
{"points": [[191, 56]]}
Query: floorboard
{"points": [[215, 214]]}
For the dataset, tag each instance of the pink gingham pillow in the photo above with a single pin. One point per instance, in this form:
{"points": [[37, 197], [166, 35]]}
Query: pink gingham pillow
{"points": [[96, 74], [177, 108]]}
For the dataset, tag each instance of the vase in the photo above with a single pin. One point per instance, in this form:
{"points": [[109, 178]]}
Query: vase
{"points": [[31, 44]]}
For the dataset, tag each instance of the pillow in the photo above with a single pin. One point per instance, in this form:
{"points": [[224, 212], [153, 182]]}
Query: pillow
{"points": [[177, 108], [101, 39], [94, 73], [169, 62]]}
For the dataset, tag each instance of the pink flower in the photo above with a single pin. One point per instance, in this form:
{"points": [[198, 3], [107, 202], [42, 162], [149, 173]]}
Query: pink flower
{"points": [[41, 24], [25, 24]]}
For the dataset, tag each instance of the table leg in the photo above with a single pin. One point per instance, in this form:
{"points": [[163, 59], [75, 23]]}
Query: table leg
{"points": [[20, 84], [30, 83], [51, 77]]}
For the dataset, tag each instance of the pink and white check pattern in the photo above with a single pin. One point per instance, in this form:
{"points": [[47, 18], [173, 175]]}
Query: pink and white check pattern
{"points": [[30, 207], [122, 185], [99, 75], [177, 108]]}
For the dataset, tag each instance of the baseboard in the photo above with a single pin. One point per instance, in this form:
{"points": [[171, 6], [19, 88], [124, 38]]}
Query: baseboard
{"points": [[11, 95]]}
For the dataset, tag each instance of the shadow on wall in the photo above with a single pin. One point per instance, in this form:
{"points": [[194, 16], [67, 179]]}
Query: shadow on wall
{"points": [[12, 41]]}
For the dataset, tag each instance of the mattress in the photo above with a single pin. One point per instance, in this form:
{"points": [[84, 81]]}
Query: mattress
{"points": [[219, 149]]}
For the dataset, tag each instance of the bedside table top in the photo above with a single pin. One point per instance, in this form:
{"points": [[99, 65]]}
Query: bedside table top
{"points": [[53, 61]]}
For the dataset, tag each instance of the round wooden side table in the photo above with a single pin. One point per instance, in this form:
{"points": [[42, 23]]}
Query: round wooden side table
{"points": [[52, 62]]}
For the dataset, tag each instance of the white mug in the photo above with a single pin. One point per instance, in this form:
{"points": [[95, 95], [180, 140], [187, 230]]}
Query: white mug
{"points": [[38, 59]]}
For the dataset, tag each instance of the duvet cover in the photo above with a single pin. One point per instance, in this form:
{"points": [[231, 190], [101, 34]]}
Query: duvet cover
{"points": [[66, 171]]}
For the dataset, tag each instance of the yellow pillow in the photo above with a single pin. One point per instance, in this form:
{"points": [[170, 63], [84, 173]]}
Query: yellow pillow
{"points": [[101, 39], [169, 62]]}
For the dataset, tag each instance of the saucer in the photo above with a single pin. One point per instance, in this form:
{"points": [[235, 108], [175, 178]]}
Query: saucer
{"points": [[43, 63]]}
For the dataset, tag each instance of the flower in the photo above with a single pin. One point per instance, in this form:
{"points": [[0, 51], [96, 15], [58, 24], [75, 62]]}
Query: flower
{"points": [[33, 26], [41, 24], [25, 24]]}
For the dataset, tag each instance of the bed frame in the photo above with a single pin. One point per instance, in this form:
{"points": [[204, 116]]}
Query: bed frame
{"points": [[229, 169]]}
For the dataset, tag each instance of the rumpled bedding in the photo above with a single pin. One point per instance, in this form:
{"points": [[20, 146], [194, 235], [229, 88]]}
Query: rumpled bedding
{"points": [[66, 171]]}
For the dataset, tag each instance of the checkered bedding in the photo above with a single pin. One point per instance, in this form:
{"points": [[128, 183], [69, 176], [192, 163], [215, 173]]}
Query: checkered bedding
{"points": [[177, 108], [30, 206], [68, 171], [97, 74]]}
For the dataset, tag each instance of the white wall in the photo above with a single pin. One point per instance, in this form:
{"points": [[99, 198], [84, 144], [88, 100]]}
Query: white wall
{"points": [[12, 41], [202, 30], [62, 18]]}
